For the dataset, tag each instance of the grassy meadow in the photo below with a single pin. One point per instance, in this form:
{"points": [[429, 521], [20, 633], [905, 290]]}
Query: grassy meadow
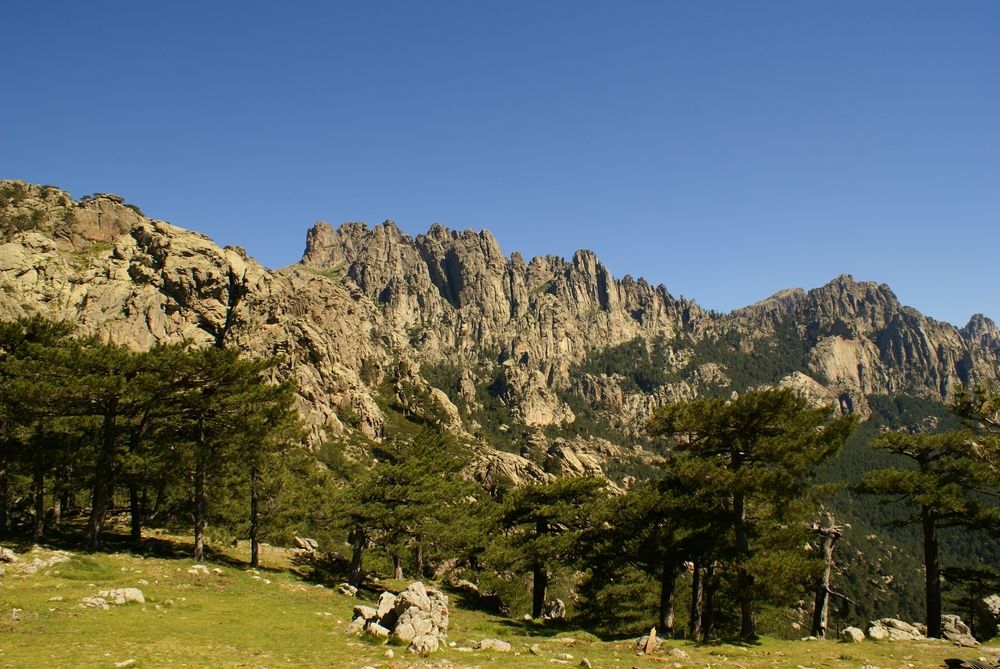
{"points": [[278, 617]]}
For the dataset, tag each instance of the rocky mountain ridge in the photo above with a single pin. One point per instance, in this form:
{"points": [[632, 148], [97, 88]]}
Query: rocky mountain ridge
{"points": [[553, 360]]}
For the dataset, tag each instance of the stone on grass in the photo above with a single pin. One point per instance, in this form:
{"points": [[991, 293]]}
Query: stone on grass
{"points": [[956, 631], [425, 644], [375, 629], [356, 626], [648, 643], [493, 644], [94, 603], [366, 612], [852, 635], [123, 595], [893, 629]]}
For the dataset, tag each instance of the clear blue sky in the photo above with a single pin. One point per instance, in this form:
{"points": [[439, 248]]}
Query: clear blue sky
{"points": [[726, 149]]}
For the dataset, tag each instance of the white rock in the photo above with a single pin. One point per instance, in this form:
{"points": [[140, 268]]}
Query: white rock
{"points": [[123, 595]]}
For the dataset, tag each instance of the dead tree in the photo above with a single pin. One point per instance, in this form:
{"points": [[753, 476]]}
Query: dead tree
{"points": [[828, 536]]}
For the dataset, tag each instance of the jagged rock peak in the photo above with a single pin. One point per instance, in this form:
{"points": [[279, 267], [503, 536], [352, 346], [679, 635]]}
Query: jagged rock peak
{"points": [[981, 331], [777, 305]]}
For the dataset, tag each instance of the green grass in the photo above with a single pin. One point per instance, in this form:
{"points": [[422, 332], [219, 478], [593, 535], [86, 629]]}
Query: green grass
{"points": [[276, 618]]}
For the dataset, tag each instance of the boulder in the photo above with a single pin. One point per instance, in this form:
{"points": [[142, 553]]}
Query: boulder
{"points": [[7, 555], [988, 617], [375, 629], [356, 626], [123, 595], [555, 610], [417, 616], [347, 590], [366, 612], [306, 544], [94, 603], [852, 635], [893, 629], [643, 641], [956, 631], [424, 644], [493, 644]]}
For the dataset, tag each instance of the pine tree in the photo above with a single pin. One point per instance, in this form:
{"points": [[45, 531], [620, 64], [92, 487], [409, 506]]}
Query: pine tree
{"points": [[414, 501], [228, 412], [946, 483], [761, 449], [544, 522]]}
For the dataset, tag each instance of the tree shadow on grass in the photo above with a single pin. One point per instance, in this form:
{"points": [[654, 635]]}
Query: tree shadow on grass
{"points": [[538, 628]]}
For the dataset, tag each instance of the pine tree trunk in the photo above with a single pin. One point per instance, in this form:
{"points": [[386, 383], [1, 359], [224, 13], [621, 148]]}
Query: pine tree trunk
{"points": [[539, 584], [135, 512], [419, 556], [697, 604], [200, 509], [708, 612], [357, 557], [38, 493], [55, 511], [666, 617], [104, 477], [4, 498], [933, 573], [397, 567], [254, 518], [744, 581]]}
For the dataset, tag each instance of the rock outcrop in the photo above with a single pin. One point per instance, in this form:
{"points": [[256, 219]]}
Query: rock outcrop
{"points": [[417, 616]]}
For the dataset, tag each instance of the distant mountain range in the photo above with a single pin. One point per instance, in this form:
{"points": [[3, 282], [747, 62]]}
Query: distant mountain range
{"points": [[544, 365]]}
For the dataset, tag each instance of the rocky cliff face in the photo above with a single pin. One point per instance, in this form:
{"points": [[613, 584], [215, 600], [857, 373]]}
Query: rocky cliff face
{"points": [[102, 265], [539, 357], [457, 296]]}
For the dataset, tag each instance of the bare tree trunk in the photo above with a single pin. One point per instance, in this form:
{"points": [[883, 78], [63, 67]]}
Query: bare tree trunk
{"points": [[821, 611], [932, 573], [697, 603]]}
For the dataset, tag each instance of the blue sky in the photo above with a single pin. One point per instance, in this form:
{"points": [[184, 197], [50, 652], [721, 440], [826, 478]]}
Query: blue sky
{"points": [[725, 149]]}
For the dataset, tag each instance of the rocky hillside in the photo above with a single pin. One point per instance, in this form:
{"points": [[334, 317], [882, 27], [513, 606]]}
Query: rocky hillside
{"points": [[456, 296], [553, 360]]}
